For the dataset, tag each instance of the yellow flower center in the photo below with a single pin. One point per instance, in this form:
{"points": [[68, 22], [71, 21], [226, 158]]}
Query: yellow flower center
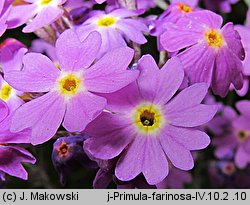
{"points": [[148, 118], [5, 92], [243, 135], [70, 84], [185, 8], [106, 21], [214, 38], [45, 2]]}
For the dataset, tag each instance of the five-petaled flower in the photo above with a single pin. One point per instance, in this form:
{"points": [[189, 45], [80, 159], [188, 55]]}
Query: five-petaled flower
{"points": [[71, 92], [146, 126]]}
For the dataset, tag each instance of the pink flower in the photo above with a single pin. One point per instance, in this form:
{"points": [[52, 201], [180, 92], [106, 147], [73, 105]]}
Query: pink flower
{"points": [[145, 126], [212, 54], [71, 92]]}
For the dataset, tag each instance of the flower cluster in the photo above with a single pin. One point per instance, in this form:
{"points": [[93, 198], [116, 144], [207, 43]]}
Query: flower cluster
{"points": [[92, 82]]}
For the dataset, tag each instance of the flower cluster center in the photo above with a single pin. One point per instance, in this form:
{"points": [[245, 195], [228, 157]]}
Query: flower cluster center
{"points": [[214, 38], [70, 84], [106, 21], [185, 8], [5, 92], [148, 118]]}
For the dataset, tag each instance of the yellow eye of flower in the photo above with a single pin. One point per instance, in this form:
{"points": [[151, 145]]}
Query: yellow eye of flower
{"points": [[185, 8], [106, 21], [45, 2], [5, 92], [148, 118], [70, 84], [214, 38]]}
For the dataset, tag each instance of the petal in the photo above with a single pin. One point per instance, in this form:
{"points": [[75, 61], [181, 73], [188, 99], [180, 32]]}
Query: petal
{"points": [[198, 62], [159, 84], [155, 163], [11, 162], [39, 74], [131, 31], [13, 60], [244, 107], [131, 162], [113, 122], [3, 27], [233, 40], [123, 13], [74, 54], [84, 30], [44, 115], [45, 17], [102, 179], [109, 145], [115, 40], [19, 15], [81, 110], [181, 35], [110, 73], [177, 153], [4, 111], [228, 68], [189, 138], [192, 96], [8, 137], [20, 137], [138, 25], [124, 100], [191, 117], [206, 18], [241, 158]]}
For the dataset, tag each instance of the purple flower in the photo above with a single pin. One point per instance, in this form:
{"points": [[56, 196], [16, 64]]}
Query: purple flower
{"points": [[4, 13], [11, 159], [71, 90], [114, 27], [68, 155], [237, 139], [220, 5], [176, 10], [145, 126], [212, 55], [38, 13], [11, 52], [12, 156]]}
